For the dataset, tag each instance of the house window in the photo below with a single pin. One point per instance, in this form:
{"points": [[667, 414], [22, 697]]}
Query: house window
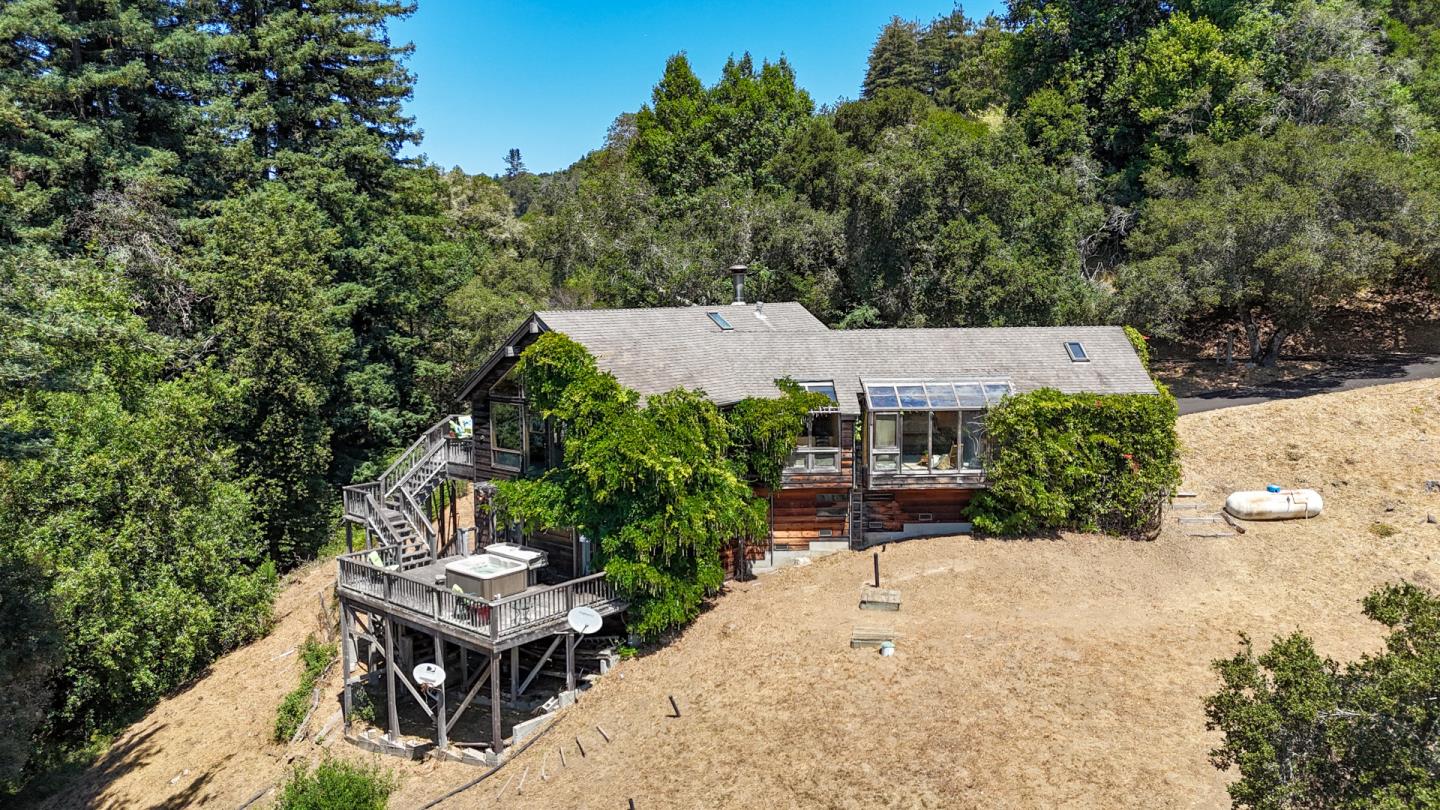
{"points": [[818, 447], [945, 454], [884, 445], [507, 440], [915, 441], [1076, 351], [932, 427], [975, 446], [537, 445], [720, 321]]}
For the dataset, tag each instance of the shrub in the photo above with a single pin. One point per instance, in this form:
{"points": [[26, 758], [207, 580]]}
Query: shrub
{"points": [[314, 657], [336, 785], [1078, 461], [1382, 529]]}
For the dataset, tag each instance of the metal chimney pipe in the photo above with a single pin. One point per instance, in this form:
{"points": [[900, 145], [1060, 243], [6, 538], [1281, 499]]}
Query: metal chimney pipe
{"points": [[737, 277]]}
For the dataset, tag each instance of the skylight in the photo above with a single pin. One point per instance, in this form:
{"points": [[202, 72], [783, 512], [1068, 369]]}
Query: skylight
{"points": [[1076, 352], [933, 396], [720, 321], [827, 388]]}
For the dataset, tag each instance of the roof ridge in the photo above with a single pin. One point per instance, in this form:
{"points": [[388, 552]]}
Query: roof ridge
{"points": [[708, 307]]}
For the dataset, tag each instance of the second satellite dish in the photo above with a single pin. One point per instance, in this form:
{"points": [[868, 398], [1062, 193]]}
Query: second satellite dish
{"points": [[584, 620], [429, 675]]}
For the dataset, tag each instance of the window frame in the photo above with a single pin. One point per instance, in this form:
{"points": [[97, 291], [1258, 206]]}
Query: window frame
{"points": [[1077, 351], [496, 450], [803, 459]]}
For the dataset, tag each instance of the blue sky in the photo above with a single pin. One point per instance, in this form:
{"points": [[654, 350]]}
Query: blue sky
{"points": [[549, 77]]}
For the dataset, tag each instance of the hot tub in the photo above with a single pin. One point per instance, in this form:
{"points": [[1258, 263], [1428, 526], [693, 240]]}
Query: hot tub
{"points": [[488, 576]]}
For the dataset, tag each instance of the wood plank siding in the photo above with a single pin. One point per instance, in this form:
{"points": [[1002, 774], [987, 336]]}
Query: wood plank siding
{"points": [[889, 511], [801, 516]]}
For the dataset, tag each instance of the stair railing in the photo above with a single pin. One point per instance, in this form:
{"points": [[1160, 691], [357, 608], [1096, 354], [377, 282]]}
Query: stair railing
{"points": [[430, 443], [360, 504], [415, 516]]}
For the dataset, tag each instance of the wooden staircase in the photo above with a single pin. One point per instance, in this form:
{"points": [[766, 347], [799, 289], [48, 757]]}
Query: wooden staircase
{"points": [[392, 509]]}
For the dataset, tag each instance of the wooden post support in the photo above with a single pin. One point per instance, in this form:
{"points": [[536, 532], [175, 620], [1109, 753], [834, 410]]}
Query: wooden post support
{"points": [[569, 662], [454, 507], [514, 673], [440, 737], [497, 742], [347, 661], [675, 706], [877, 569], [394, 715], [349, 536]]}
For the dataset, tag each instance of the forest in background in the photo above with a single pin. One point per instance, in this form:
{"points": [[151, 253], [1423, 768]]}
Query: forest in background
{"points": [[224, 292]]}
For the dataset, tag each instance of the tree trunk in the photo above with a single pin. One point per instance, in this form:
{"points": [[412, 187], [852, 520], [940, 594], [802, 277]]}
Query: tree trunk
{"points": [[1272, 355], [1229, 349], [1252, 335]]}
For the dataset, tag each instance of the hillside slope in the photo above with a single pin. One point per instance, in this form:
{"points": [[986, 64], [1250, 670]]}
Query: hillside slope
{"points": [[1029, 673], [210, 743]]}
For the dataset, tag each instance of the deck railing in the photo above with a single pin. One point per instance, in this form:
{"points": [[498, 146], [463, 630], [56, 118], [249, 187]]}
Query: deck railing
{"points": [[497, 620], [460, 451]]}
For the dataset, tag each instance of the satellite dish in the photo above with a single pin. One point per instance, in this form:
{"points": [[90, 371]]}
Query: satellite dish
{"points": [[584, 620], [429, 676]]}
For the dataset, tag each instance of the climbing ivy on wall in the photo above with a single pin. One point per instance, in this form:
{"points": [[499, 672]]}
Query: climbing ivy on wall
{"points": [[764, 431], [656, 485], [1078, 461]]}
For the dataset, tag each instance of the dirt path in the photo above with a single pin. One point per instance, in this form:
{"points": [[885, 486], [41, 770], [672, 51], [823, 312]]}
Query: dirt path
{"points": [[1041, 673]]}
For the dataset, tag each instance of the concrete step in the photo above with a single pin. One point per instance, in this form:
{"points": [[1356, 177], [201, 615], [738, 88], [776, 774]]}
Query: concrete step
{"points": [[820, 548]]}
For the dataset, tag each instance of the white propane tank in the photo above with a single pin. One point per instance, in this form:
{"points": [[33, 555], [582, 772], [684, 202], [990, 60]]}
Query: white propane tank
{"points": [[1283, 504]]}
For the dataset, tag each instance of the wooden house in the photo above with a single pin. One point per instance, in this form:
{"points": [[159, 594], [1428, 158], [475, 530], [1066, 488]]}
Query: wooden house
{"points": [[898, 454]]}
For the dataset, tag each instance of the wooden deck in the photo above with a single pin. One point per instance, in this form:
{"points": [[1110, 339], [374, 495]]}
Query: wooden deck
{"points": [[410, 594]]}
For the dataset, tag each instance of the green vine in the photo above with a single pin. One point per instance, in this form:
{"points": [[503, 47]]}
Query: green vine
{"points": [[658, 487], [1078, 461], [764, 431]]}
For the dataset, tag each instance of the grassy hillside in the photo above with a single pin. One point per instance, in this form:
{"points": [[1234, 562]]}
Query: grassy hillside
{"points": [[1028, 673]]}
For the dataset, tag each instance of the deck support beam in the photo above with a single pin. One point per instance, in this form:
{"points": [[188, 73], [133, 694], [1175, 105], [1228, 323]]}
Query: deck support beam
{"points": [[497, 742], [440, 727], [465, 704], [570, 662], [514, 673], [538, 664], [394, 713], [347, 661]]}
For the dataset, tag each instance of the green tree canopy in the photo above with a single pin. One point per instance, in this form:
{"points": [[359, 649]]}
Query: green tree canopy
{"points": [[1273, 229], [1307, 731]]}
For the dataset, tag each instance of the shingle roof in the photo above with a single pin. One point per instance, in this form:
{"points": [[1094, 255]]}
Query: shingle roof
{"points": [[607, 326], [656, 350]]}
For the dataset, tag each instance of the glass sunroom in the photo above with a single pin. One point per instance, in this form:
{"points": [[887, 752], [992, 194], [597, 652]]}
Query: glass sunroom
{"points": [[928, 428]]}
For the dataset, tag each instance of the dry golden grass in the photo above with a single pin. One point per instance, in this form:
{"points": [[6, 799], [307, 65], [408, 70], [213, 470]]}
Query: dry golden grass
{"points": [[1040, 673]]}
